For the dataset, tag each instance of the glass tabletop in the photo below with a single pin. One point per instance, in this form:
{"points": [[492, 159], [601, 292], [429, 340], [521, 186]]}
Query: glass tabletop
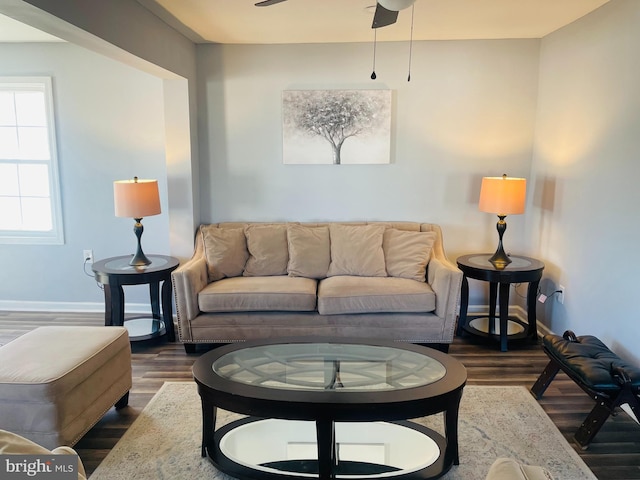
{"points": [[329, 366]]}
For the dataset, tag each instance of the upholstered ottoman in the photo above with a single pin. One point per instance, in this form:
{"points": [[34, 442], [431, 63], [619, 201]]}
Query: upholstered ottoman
{"points": [[57, 382]]}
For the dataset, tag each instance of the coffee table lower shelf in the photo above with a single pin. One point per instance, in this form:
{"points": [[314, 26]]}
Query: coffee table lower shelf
{"points": [[270, 449]]}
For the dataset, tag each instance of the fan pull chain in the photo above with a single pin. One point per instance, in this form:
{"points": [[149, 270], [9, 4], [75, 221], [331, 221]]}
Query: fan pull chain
{"points": [[413, 8], [373, 73]]}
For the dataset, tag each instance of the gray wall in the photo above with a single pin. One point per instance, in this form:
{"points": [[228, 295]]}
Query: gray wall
{"points": [[110, 126], [126, 31], [468, 111], [562, 112], [584, 217]]}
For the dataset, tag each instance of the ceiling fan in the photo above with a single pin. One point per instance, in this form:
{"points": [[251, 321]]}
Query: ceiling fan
{"points": [[386, 10]]}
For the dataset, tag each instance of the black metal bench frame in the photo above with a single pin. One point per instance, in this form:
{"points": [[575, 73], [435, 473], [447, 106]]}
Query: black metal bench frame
{"points": [[606, 399]]}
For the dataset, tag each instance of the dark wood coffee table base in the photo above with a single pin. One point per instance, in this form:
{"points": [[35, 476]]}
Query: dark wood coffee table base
{"points": [[275, 470], [326, 408]]}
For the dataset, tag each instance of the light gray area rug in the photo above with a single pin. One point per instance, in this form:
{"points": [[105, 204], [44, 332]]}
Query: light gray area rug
{"points": [[164, 442]]}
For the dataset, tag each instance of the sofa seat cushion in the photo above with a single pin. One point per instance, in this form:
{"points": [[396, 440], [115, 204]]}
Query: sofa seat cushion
{"points": [[255, 294], [351, 294]]}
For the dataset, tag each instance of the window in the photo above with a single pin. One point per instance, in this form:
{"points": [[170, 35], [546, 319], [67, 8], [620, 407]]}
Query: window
{"points": [[30, 209]]}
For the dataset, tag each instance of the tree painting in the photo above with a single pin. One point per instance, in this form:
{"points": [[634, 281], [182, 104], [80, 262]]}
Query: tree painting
{"points": [[336, 126]]}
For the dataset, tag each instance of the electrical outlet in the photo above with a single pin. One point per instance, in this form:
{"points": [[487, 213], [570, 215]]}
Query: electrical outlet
{"points": [[561, 294], [87, 256]]}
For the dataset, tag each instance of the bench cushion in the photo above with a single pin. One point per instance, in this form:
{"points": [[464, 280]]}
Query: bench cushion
{"points": [[259, 294], [351, 294], [590, 360]]}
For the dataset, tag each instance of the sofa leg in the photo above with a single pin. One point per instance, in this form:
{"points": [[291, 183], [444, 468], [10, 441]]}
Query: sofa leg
{"points": [[123, 402], [190, 347]]}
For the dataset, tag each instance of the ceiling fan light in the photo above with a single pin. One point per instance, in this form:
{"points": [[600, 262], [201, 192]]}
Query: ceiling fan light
{"points": [[396, 5]]}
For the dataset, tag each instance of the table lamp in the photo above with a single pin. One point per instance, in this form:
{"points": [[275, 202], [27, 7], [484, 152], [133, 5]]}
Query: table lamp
{"points": [[137, 199], [502, 196]]}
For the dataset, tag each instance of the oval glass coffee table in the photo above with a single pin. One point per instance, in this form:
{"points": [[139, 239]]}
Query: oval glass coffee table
{"points": [[329, 408]]}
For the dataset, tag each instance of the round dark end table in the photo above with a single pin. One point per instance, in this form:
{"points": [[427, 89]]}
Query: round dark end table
{"points": [[520, 270], [115, 272]]}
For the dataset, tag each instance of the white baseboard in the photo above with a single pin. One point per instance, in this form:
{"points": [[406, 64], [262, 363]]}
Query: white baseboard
{"points": [[86, 307]]}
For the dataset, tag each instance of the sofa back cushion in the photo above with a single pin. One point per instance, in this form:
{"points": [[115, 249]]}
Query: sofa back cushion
{"points": [[268, 251], [225, 251], [319, 250], [309, 251], [357, 250], [407, 253]]}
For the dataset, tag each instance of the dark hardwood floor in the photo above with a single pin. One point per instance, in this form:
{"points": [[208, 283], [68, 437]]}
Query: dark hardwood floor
{"points": [[614, 454]]}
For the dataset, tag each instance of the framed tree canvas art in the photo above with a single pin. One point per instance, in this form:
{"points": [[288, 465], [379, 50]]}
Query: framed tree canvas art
{"points": [[336, 127]]}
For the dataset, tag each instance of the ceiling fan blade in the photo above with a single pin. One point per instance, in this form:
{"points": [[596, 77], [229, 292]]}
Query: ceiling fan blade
{"points": [[383, 17], [266, 3]]}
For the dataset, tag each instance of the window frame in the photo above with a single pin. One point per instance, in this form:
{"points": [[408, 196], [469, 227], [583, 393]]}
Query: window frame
{"points": [[55, 236]]}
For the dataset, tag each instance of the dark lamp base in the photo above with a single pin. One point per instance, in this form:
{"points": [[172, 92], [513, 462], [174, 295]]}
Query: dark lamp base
{"points": [[139, 259], [500, 259]]}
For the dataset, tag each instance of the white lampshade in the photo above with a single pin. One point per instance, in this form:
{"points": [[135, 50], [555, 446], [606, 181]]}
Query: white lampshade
{"points": [[136, 198], [503, 195], [396, 5]]}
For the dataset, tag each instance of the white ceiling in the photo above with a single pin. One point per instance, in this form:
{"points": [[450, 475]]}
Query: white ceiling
{"points": [[13, 31], [325, 21]]}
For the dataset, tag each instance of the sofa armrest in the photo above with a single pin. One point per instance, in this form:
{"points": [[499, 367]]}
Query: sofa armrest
{"points": [[446, 281], [188, 280]]}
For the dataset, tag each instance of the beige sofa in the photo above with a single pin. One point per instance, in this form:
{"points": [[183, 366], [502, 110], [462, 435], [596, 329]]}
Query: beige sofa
{"points": [[366, 279]]}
